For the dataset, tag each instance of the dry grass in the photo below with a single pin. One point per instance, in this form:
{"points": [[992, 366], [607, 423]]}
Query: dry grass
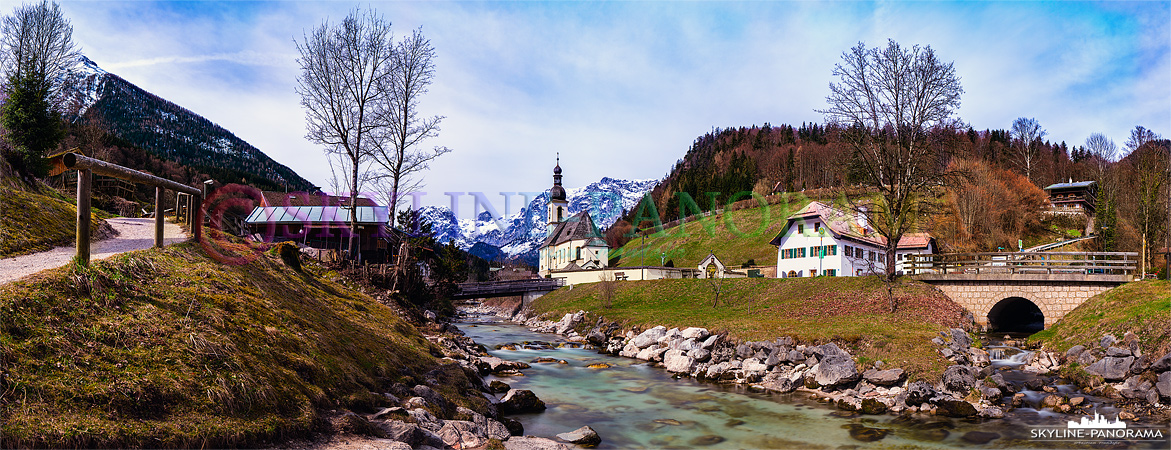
{"points": [[1143, 308], [852, 311], [31, 223], [170, 348]]}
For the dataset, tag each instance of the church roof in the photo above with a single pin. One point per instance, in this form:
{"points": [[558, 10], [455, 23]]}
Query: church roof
{"points": [[580, 226]]}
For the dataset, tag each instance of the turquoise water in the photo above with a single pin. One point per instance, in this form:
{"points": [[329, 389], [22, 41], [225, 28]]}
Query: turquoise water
{"points": [[633, 405]]}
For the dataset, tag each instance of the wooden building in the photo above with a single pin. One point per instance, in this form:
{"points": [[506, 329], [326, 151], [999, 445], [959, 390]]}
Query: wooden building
{"points": [[1073, 198]]}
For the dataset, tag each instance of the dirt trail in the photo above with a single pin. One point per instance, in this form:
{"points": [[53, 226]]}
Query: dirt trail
{"points": [[133, 234]]}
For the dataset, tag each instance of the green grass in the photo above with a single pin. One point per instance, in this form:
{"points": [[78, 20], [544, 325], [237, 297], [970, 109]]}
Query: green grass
{"points": [[734, 236], [170, 348], [31, 222], [851, 311], [1141, 307]]}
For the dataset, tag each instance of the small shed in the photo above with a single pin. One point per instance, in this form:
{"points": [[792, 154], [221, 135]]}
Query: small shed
{"points": [[325, 227], [712, 267]]}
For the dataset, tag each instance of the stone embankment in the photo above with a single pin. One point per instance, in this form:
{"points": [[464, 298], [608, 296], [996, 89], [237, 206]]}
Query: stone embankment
{"points": [[969, 387], [422, 418]]}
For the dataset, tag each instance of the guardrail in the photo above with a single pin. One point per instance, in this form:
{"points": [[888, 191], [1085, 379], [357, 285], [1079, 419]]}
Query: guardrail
{"points": [[1086, 263]]}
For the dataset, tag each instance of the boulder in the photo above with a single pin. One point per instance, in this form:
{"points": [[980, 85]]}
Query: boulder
{"points": [[834, 370], [518, 401], [462, 434], [753, 365], [1074, 352], [629, 351], [677, 361], [1107, 340], [781, 382], [960, 338], [1111, 368], [889, 377], [499, 365], [1118, 352], [425, 419], [954, 408], [919, 392], [776, 356], [699, 354], [584, 436], [745, 350], [596, 337], [648, 337], [698, 334], [1164, 385], [408, 433], [978, 356], [958, 380], [534, 443], [710, 341], [1162, 364]]}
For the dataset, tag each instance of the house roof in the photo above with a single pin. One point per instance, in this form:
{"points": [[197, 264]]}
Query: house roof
{"points": [[1079, 184], [846, 226], [580, 226], [367, 215], [273, 198]]}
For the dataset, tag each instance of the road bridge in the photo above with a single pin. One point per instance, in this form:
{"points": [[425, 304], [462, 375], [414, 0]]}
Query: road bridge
{"points": [[1023, 291]]}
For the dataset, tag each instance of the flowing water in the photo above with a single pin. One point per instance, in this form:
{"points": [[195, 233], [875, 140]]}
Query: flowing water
{"points": [[633, 405]]}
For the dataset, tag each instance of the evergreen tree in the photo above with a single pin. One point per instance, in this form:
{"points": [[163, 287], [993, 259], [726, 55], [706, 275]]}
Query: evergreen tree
{"points": [[33, 124]]}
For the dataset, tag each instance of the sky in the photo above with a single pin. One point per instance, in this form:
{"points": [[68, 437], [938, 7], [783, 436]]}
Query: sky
{"points": [[622, 89]]}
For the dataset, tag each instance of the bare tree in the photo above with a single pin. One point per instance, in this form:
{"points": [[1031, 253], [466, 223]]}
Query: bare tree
{"points": [[37, 41], [397, 149], [716, 282], [606, 288], [1103, 150], [342, 69], [886, 102], [36, 50], [1139, 137], [1027, 135], [1148, 176]]}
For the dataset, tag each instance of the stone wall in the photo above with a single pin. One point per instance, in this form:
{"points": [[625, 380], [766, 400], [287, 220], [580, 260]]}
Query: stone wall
{"points": [[1053, 299]]}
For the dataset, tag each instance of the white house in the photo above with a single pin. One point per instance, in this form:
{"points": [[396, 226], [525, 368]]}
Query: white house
{"points": [[574, 242], [821, 240]]}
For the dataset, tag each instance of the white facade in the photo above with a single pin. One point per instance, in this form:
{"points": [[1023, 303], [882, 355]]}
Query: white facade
{"points": [[809, 245], [581, 252]]}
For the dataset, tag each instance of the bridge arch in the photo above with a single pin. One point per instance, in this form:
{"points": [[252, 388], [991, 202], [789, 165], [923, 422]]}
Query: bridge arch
{"points": [[1016, 314]]}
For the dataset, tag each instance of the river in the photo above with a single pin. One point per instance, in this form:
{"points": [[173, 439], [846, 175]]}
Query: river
{"points": [[634, 405]]}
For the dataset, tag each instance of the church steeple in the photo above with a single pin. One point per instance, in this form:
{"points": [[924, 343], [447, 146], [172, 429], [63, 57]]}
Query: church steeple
{"points": [[558, 205]]}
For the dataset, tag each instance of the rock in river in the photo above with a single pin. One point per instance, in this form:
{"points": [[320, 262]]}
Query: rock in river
{"points": [[584, 436], [518, 401]]}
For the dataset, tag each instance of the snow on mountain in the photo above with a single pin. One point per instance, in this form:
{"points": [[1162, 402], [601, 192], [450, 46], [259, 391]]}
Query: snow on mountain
{"points": [[525, 230], [83, 84]]}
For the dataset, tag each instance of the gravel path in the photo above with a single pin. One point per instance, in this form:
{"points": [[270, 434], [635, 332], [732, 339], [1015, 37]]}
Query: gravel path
{"points": [[133, 234]]}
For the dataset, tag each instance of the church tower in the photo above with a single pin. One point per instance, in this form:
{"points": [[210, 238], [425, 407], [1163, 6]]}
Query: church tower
{"points": [[558, 205]]}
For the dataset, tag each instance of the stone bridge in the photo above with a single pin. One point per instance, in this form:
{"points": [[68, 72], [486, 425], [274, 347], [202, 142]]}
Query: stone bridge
{"points": [[1023, 291]]}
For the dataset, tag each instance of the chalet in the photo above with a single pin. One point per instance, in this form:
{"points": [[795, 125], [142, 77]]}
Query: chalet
{"points": [[1073, 198], [573, 242], [821, 240]]}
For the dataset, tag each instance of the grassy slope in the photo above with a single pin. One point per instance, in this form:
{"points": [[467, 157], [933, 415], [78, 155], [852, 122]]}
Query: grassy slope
{"points": [[1143, 308], [850, 311], [168, 347], [31, 222], [734, 236]]}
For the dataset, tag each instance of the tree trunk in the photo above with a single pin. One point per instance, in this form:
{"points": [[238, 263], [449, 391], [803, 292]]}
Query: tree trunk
{"points": [[353, 207]]}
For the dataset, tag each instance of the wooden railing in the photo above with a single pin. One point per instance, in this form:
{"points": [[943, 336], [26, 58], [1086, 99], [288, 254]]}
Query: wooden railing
{"points": [[1085, 263], [514, 287]]}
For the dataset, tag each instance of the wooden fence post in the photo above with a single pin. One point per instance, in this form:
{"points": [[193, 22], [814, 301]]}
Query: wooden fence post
{"points": [[158, 216], [83, 222]]}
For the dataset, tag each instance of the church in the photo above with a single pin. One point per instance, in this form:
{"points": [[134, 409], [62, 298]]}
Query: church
{"points": [[573, 242]]}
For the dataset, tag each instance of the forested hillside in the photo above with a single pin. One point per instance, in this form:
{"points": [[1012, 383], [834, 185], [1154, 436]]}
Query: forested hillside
{"points": [[171, 132], [999, 201]]}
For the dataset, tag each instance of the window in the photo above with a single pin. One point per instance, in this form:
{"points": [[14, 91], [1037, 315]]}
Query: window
{"points": [[578, 253], [800, 228], [830, 272], [802, 252], [793, 274], [816, 227]]}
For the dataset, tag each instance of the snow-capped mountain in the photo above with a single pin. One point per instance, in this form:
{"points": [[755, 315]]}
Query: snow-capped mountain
{"points": [[524, 231], [169, 131]]}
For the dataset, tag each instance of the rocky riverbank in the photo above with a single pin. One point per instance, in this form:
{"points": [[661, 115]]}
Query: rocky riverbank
{"points": [[970, 387]]}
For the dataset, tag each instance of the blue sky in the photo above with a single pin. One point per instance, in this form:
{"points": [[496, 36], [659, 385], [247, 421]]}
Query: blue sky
{"points": [[621, 89]]}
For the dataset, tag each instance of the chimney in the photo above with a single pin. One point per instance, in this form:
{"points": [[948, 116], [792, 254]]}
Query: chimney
{"points": [[862, 220]]}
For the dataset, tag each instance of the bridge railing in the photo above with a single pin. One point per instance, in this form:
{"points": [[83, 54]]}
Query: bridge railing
{"points": [[1084, 263], [490, 288]]}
